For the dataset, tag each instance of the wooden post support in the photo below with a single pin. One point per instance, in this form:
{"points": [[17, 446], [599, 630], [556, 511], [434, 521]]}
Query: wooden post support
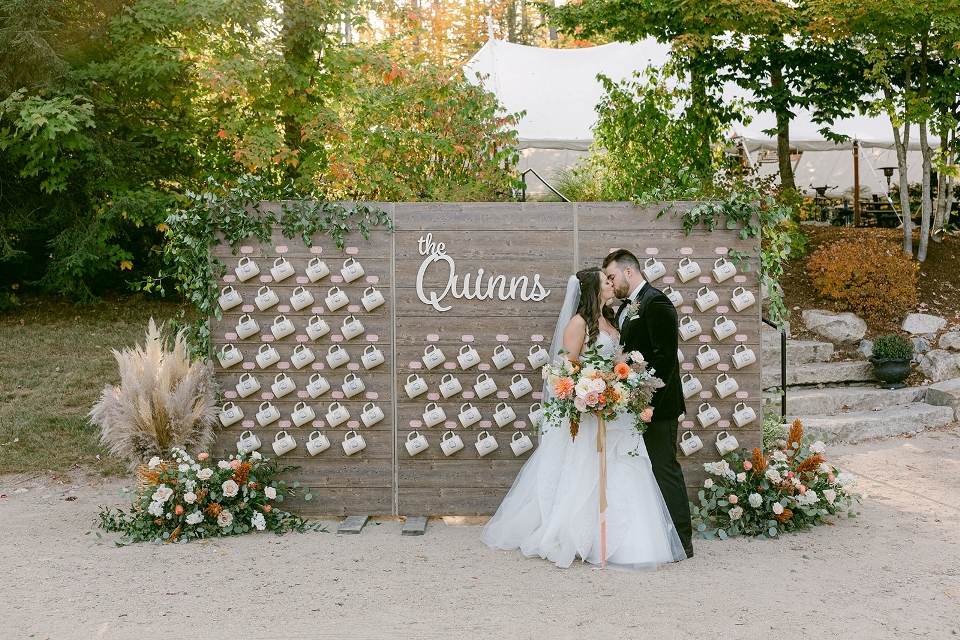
{"points": [[353, 524], [414, 526]]}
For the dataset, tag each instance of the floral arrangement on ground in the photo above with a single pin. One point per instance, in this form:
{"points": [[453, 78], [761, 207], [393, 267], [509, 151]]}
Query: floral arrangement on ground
{"points": [[605, 387], [192, 499], [789, 487]]}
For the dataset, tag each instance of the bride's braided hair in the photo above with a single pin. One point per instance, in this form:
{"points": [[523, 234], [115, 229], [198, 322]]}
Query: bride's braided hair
{"points": [[589, 307]]}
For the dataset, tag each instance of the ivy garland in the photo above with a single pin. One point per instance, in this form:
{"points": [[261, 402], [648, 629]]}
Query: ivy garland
{"points": [[230, 215]]}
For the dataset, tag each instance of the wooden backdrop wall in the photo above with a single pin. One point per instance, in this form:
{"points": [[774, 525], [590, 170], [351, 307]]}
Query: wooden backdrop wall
{"points": [[548, 240]]}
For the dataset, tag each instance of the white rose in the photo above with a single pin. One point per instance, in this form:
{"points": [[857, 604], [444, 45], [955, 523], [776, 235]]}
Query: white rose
{"points": [[190, 497], [155, 509], [230, 488], [736, 513], [708, 483], [824, 468], [588, 372], [270, 492], [741, 477], [225, 519], [779, 456], [223, 464], [830, 495], [189, 484], [256, 455], [598, 385], [162, 494], [204, 474], [637, 357], [195, 518], [583, 388], [258, 521], [755, 500], [818, 447], [773, 476], [722, 467], [195, 467], [777, 508], [154, 461]]}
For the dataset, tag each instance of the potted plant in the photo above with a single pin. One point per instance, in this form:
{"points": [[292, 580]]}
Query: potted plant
{"points": [[891, 358]]}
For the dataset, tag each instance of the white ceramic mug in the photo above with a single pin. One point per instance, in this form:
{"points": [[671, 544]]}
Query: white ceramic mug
{"points": [[352, 385], [302, 414], [351, 327], [675, 297], [282, 327], [281, 269], [372, 357], [229, 355], [267, 413], [687, 270], [743, 415], [336, 299], [679, 355], [301, 299], [707, 356], [230, 414], [302, 356], [726, 444], [450, 443], [536, 414], [468, 357], [502, 356], [337, 414], [707, 416], [247, 385], [504, 414], [691, 386], [449, 386], [469, 415], [538, 356], [246, 269], [248, 442], [689, 328], [723, 269], [267, 356], [486, 443], [353, 443], [743, 356], [229, 298], [337, 356], [432, 356], [371, 415], [706, 299], [742, 299], [433, 415], [317, 328], [653, 269], [416, 443], [521, 444], [266, 298], [372, 298], [317, 443], [724, 328], [485, 386], [520, 386], [415, 385], [317, 386], [282, 385], [725, 386], [317, 269], [351, 270], [247, 327], [690, 443]]}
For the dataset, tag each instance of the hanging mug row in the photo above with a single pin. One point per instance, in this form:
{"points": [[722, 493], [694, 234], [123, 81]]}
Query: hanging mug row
{"points": [[707, 356], [708, 415], [503, 414], [283, 384], [469, 357], [707, 298], [229, 355], [266, 297], [282, 269], [282, 327], [317, 442], [688, 269], [690, 443], [449, 385], [723, 328], [268, 413]]}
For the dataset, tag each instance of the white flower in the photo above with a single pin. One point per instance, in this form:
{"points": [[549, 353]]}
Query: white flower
{"points": [[773, 476], [204, 474], [154, 461], [824, 468], [189, 484], [809, 497], [598, 385], [818, 447], [717, 468], [588, 371], [584, 387], [736, 513], [777, 508], [155, 509], [637, 357], [162, 494], [845, 479], [708, 483], [580, 404], [225, 519], [223, 464], [230, 488], [183, 468], [779, 456], [195, 518], [256, 455], [829, 495], [270, 492], [190, 497], [755, 500], [258, 521], [195, 467], [741, 476]]}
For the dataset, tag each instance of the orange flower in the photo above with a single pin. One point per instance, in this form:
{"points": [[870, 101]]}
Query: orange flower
{"points": [[622, 370], [564, 388]]}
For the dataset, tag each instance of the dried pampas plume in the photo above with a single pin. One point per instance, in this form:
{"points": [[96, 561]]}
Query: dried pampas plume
{"points": [[164, 400]]}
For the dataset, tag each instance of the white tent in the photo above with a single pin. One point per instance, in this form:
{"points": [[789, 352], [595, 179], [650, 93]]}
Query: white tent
{"points": [[558, 90]]}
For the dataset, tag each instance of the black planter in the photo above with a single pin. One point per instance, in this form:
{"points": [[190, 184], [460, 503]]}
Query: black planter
{"points": [[891, 372]]}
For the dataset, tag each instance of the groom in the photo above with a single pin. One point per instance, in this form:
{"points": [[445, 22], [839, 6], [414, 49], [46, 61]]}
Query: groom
{"points": [[648, 324]]}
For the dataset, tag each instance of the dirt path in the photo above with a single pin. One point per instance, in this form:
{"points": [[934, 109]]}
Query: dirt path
{"points": [[893, 572]]}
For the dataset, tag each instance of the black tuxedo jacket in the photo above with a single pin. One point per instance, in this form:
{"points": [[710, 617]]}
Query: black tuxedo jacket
{"points": [[653, 332]]}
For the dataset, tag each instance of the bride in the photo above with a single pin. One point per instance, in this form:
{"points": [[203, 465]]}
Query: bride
{"points": [[553, 508]]}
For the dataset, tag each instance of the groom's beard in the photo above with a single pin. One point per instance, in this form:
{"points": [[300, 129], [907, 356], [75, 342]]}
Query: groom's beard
{"points": [[622, 292]]}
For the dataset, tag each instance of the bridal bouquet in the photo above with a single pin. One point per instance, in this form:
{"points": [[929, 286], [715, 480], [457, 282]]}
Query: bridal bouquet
{"points": [[603, 386]]}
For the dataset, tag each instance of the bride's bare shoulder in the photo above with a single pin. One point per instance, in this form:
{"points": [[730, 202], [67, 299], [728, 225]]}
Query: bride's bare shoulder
{"points": [[576, 323]]}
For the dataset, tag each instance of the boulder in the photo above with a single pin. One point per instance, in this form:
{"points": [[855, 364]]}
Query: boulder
{"points": [[939, 365], [916, 323], [866, 348], [945, 394], [920, 345], [836, 327], [950, 341]]}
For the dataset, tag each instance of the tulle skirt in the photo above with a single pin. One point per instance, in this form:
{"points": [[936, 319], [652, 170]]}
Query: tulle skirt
{"points": [[553, 509]]}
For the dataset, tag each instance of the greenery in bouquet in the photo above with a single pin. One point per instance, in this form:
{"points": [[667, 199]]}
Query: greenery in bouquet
{"points": [[603, 386], [788, 487], [187, 499]]}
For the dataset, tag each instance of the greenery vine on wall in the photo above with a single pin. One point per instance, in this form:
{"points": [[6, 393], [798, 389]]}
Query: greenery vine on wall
{"points": [[229, 215]]}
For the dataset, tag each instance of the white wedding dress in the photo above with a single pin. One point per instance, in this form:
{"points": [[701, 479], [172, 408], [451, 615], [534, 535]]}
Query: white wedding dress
{"points": [[553, 508]]}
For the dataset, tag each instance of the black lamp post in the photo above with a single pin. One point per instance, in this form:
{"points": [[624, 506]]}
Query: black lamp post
{"points": [[888, 172]]}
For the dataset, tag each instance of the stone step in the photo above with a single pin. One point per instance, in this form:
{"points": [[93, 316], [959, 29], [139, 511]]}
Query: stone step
{"points": [[798, 352], [838, 400], [945, 394], [890, 421], [819, 373]]}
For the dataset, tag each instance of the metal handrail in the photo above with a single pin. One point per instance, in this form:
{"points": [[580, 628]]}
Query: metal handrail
{"points": [[783, 367], [523, 177]]}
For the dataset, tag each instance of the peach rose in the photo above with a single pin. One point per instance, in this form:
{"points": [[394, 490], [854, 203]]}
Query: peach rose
{"points": [[733, 499], [234, 464], [622, 370], [203, 456], [178, 510], [747, 465]]}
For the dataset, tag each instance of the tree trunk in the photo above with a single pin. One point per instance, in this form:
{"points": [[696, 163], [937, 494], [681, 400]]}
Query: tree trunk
{"points": [[901, 144], [944, 181], [787, 181], [927, 153]]}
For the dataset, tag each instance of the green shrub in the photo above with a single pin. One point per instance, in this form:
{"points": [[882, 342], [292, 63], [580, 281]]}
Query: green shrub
{"points": [[893, 347]]}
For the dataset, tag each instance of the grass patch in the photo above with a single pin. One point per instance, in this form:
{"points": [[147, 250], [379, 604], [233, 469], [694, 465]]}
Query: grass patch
{"points": [[55, 359]]}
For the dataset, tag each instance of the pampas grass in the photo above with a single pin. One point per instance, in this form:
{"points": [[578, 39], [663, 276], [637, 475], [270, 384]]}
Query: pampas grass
{"points": [[164, 400]]}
